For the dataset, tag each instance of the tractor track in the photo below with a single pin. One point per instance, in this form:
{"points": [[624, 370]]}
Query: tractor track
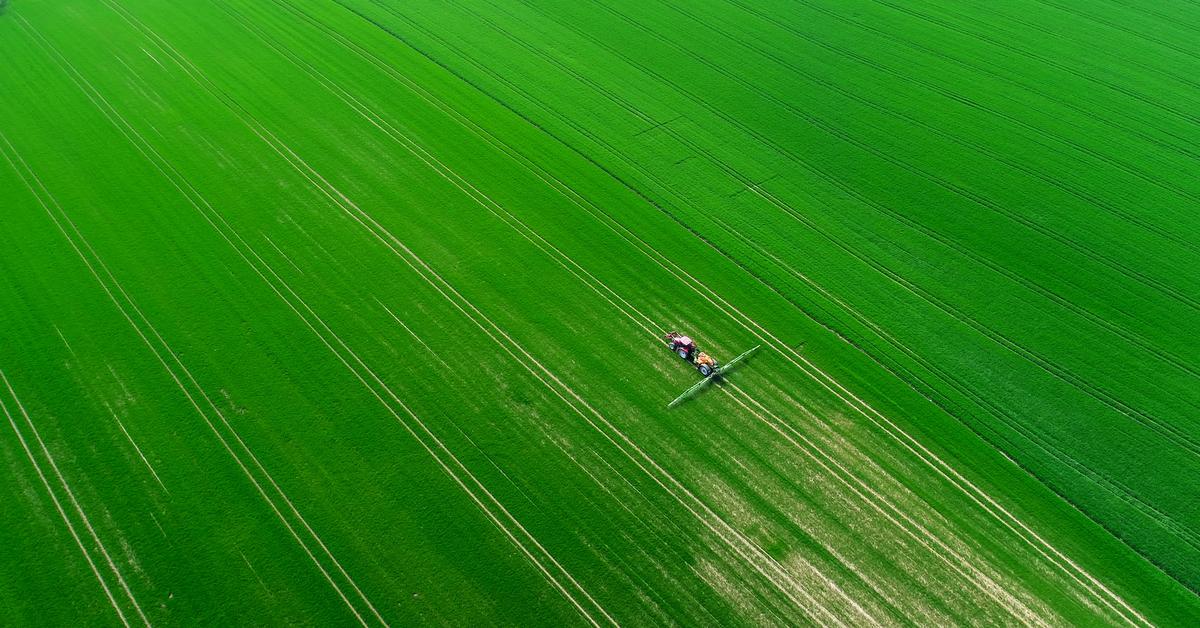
{"points": [[1165, 429], [66, 487], [1182, 148], [435, 280], [955, 559], [1138, 8], [1124, 29], [615, 304], [1095, 391], [1131, 337], [981, 498], [987, 503], [496, 513], [129, 304], [137, 449], [1082, 195], [1132, 61], [833, 131], [946, 25]]}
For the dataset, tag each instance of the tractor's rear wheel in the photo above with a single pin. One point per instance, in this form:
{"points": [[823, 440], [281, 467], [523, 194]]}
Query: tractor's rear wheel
{"points": [[683, 353]]}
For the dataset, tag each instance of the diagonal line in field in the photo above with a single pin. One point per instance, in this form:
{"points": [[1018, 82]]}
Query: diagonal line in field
{"points": [[175, 377], [318, 540], [66, 486], [951, 475], [412, 333], [488, 204], [63, 514], [405, 82], [177, 58], [141, 455], [985, 501], [341, 200], [957, 561]]}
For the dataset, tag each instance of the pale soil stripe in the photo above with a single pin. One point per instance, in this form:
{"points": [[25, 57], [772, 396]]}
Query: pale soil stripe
{"points": [[951, 557], [540, 242], [138, 449], [376, 225], [257, 577], [432, 353], [251, 454], [285, 256], [70, 495], [568, 192], [171, 372], [64, 339], [163, 166], [62, 513], [661, 260]]}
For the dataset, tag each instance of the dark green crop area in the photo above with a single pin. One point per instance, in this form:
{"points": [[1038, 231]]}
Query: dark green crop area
{"points": [[351, 312]]}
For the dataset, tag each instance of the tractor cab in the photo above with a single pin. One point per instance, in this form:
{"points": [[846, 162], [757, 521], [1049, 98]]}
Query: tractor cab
{"points": [[681, 345]]}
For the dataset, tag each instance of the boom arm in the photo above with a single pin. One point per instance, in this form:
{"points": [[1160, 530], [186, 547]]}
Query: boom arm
{"points": [[695, 388], [690, 391], [726, 366]]}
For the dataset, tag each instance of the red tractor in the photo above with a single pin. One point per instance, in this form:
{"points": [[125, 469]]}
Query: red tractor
{"points": [[685, 348]]}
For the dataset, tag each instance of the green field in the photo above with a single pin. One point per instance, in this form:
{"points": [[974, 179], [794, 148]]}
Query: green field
{"points": [[350, 312]]}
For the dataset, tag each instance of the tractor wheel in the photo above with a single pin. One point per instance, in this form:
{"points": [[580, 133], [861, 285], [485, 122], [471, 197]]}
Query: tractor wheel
{"points": [[683, 353], [705, 370]]}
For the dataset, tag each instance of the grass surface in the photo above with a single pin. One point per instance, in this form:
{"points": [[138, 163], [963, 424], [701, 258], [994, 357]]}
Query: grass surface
{"points": [[348, 312]]}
